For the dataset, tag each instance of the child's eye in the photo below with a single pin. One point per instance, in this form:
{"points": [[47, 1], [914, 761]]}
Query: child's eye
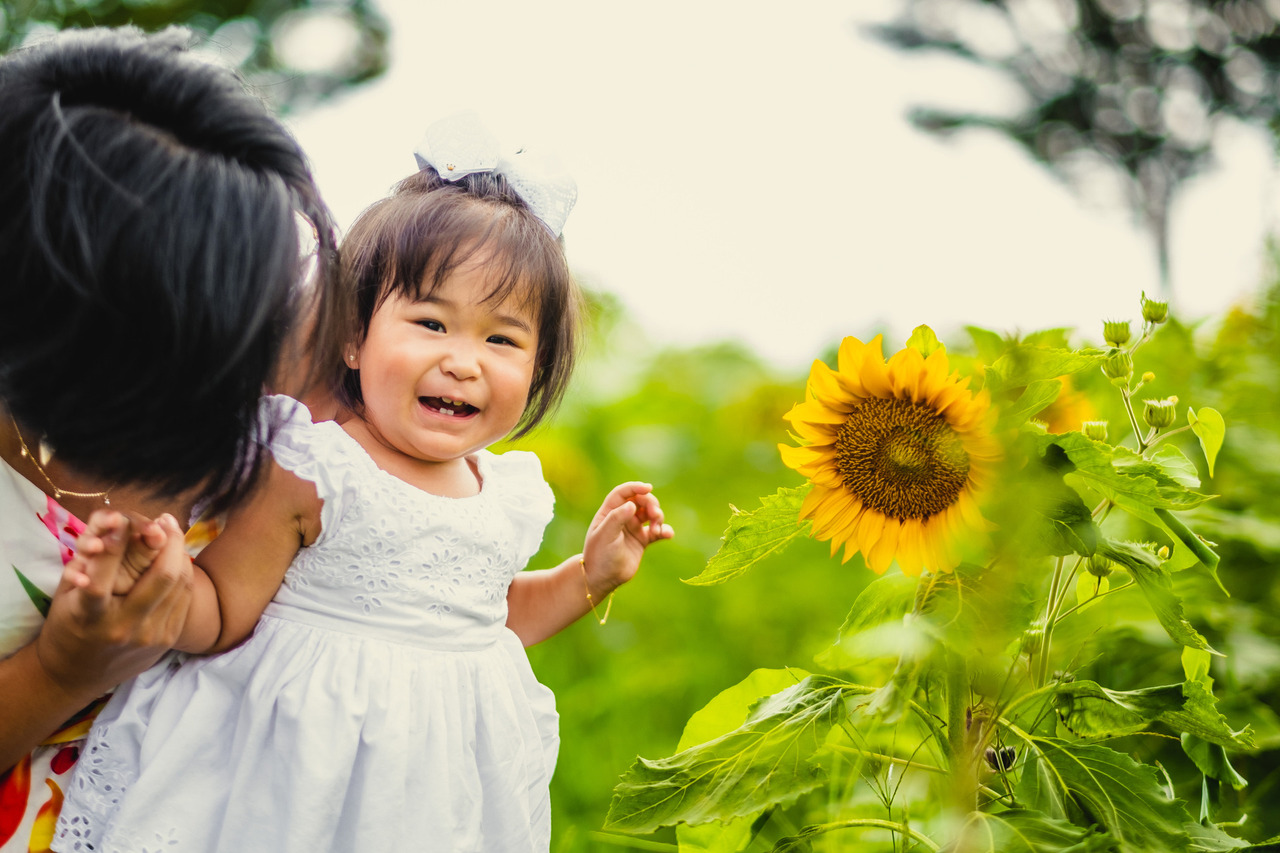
{"points": [[501, 339], [432, 325]]}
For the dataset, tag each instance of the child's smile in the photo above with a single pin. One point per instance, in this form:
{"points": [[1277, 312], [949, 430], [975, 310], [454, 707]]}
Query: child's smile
{"points": [[446, 406], [445, 374]]}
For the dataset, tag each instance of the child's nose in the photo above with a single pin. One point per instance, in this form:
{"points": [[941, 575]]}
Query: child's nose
{"points": [[461, 362]]}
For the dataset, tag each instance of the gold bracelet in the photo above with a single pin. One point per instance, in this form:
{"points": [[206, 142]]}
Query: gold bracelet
{"points": [[582, 561]]}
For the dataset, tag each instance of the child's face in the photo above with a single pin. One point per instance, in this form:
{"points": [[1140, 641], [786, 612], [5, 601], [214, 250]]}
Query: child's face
{"points": [[446, 375]]}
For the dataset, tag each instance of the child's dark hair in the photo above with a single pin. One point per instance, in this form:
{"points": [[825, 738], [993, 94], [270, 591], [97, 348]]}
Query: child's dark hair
{"points": [[410, 242], [150, 255]]}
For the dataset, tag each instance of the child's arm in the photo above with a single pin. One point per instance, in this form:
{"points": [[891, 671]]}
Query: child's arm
{"points": [[238, 573], [540, 604], [234, 577]]}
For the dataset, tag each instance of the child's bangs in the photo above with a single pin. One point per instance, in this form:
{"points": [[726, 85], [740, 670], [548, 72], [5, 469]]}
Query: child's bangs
{"points": [[521, 259]]}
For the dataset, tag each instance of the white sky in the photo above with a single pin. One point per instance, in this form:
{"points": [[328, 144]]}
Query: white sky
{"points": [[746, 170]]}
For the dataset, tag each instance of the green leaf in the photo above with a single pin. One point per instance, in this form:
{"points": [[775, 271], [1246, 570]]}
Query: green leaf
{"points": [[1210, 839], [873, 628], [1117, 473], [1209, 753], [1210, 427], [1157, 585], [1197, 546], [1023, 364], [987, 344], [766, 761], [1211, 760], [1176, 464], [1068, 526], [38, 597], [752, 536], [924, 340], [726, 712], [1111, 789], [1091, 710], [1034, 399], [1026, 831]]}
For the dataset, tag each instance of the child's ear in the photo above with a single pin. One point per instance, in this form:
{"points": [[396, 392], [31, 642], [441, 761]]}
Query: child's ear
{"points": [[351, 355]]}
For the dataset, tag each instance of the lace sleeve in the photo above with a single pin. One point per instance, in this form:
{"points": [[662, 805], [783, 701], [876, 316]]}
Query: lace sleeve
{"points": [[526, 497], [316, 453]]}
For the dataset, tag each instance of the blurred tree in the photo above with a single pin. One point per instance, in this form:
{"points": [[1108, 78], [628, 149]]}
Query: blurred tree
{"points": [[1135, 86], [293, 52]]}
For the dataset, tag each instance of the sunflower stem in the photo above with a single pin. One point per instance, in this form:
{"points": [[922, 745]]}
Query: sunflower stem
{"points": [[1051, 608], [964, 777], [1162, 436], [1076, 607], [1133, 419]]}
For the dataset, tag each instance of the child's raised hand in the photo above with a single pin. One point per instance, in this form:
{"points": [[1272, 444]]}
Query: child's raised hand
{"points": [[629, 520]]}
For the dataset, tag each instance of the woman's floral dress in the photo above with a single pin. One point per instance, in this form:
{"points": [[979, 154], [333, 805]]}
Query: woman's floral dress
{"points": [[37, 537]]}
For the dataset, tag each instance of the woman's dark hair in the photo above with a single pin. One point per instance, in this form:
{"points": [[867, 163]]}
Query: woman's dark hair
{"points": [[410, 242], [149, 258]]}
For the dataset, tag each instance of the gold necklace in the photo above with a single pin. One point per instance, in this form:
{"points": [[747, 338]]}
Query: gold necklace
{"points": [[58, 493]]}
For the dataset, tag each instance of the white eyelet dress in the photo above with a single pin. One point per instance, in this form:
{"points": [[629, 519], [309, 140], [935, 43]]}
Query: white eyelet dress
{"points": [[381, 704]]}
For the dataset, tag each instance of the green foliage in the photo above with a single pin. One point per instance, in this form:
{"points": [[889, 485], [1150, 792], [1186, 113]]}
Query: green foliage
{"points": [[1210, 428], [256, 38], [1109, 788], [1053, 692], [766, 761], [752, 536]]}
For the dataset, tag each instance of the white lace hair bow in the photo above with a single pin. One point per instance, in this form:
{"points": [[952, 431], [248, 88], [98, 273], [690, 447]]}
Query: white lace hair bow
{"points": [[461, 145]]}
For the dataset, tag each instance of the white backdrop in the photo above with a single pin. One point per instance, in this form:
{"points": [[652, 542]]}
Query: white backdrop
{"points": [[746, 171]]}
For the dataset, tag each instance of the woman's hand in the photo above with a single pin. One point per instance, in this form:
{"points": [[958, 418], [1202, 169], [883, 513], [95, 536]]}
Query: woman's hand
{"points": [[95, 638], [629, 520]]}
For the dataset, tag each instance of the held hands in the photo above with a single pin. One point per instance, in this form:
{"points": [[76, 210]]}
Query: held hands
{"points": [[629, 520], [120, 605]]}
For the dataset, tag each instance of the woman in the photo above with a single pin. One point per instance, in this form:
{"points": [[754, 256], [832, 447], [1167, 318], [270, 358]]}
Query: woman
{"points": [[151, 267]]}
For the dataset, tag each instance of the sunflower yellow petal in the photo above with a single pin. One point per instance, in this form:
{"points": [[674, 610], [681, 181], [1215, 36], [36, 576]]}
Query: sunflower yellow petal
{"points": [[850, 356], [829, 390], [799, 457], [904, 372], [874, 374], [817, 496], [883, 552], [911, 548], [815, 412], [834, 514], [870, 526]]}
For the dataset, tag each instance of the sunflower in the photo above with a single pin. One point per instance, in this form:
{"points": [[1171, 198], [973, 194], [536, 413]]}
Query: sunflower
{"points": [[896, 452]]}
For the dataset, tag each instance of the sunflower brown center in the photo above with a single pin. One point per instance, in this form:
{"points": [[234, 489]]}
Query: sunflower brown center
{"points": [[901, 458]]}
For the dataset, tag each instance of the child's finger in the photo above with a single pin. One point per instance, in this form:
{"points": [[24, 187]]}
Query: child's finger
{"points": [[143, 548], [170, 569], [110, 529], [625, 492]]}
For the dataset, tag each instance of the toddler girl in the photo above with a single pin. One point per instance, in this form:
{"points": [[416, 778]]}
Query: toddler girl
{"points": [[384, 700]]}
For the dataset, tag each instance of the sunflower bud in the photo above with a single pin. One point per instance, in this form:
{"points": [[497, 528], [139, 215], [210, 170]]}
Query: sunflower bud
{"points": [[1099, 566], [1154, 312], [1116, 332], [1118, 367], [1094, 430], [1163, 552], [1148, 377], [1160, 414]]}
